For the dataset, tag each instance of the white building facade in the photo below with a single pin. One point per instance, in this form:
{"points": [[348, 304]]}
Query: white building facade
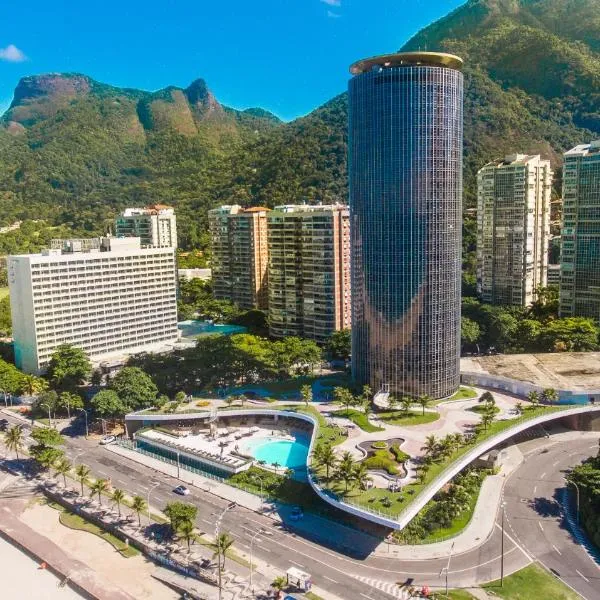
{"points": [[155, 225], [110, 297], [513, 229]]}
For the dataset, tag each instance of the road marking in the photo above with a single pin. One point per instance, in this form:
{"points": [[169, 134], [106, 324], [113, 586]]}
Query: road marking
{"points": [[540, 526], [263, 548], [543, 475], [297, 564], [534, 489], [206, 521], [580, 573], [365, 596], [329, 579], [557, 549], [555, 463], [521, 548]]}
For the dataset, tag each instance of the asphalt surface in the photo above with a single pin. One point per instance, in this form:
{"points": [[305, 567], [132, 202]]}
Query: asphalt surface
{"points": [[373, 577]]}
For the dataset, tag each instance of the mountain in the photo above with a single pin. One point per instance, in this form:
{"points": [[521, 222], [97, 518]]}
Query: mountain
{"points": [[74, 151]]}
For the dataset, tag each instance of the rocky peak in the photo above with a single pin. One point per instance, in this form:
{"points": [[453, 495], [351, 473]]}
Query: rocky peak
{"points": [[200, 97], [50, 84]]}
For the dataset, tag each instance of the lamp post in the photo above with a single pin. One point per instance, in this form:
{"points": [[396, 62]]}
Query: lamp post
{"points": [[178, 467], [448, 567], [87, 433], [503, 505], [577, 506], [230, 506], [49, 416], [251, 557], [156, 484]]}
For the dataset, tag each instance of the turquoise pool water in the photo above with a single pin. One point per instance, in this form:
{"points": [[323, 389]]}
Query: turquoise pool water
{"points": [[289, 454], [192, 329]]}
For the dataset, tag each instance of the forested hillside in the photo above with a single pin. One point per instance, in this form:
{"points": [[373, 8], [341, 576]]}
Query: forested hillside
{"points": [[73, 151]]}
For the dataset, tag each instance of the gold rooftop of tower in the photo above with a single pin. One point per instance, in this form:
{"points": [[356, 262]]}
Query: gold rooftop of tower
{"points": [[404, 59]]}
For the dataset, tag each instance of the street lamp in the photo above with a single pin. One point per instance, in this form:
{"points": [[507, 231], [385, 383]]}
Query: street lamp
{"points": [[49, 416], [156, 484], [577, 513], [87, 433], [448, 567], [261, 530], [503, 505], [230, 506]]}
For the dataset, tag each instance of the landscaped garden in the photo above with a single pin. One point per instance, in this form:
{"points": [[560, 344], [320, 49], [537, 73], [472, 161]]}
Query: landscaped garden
{"points": [[407, 418]]}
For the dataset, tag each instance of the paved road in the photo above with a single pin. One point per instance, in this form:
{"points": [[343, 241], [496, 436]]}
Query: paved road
{"points": [[534, 498], [374, 576]]}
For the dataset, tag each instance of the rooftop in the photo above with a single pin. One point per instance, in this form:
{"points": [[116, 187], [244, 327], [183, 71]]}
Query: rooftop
{"points": [[407, 59], [577, 371], [584, 149]]}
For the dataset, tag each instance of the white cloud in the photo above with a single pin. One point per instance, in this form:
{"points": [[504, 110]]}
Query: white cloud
{"points": [[12, 54], [333, 15], [333, 2]]}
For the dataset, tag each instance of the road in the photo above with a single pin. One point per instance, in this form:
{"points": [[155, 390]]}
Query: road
{"points": [[373, 577]]}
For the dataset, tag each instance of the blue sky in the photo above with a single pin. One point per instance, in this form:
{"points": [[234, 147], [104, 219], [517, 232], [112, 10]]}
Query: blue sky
{"points": [[288, 56]]}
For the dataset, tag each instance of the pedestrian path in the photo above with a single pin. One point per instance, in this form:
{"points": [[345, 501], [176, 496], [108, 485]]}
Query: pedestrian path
{"points": [[388, 587]]}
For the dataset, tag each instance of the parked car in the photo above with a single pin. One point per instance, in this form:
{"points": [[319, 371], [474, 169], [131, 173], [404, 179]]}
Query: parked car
{"points": [[181, 490], [3, 424], [296, 513], [107, 439]]}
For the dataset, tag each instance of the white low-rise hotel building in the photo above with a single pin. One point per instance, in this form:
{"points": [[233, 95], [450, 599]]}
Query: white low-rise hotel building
{"points": [[108, 296]]}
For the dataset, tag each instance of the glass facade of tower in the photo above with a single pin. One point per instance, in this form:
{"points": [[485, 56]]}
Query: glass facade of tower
{"points": [[405, 170]]}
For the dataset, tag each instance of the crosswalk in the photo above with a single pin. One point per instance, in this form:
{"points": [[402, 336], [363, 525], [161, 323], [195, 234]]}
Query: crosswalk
{"points": [[575, 529], [395, 591]]}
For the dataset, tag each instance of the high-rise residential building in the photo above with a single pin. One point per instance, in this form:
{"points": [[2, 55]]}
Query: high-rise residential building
{"points": [[108, 296], [580, 246], [239, 255], [405, 166], [309, 270], [513, 229], [155, 225]]}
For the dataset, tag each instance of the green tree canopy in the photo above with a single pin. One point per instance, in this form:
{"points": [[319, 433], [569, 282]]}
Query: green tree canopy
{"points": [[469, 331], [179, 513], [339, 344], [107, 403], [134, 387], [69, 366]]}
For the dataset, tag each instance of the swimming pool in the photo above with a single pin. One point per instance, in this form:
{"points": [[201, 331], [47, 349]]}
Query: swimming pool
{"points": [[289, 454], [192, 329]]}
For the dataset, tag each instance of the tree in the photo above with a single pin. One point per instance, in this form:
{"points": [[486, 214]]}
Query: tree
{"points": [[361, 475], [45, 451], [178, 512], [96, 378], [180, 397], [118, 496], [139, 505], [46, 403], [107, 403], [550, 395], [186, 531], [487, 417], [306, 393], [82, 472], [222, 544], [519, 408], [572, 334], [62, 467], [345, 470], [11, 379], [32, 385], [229, 400], [343, 396], [70, 401], [469, 331], [13, 439], [367, 394], [424, 400], [431, 446], [533, 397], [134, 388], [339, 344], [279, 583], [325, 456], [69, 367], [406, 403], [100, 486]]}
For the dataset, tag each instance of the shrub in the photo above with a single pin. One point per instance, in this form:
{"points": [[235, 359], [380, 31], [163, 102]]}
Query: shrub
{"points": [[399, 455], [203, 403], [380, 445], [382, 460]]}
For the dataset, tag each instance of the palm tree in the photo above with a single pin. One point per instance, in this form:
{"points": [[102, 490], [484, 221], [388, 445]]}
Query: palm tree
{"points": [[118, 496], [431, 446], [367, 394], [229, 400], [488, 398], [458, 440], [367, 408], [33, 385], [325, 457], [13, 439], [222, 544], [279, 583], [392, 402], [82, 473], [424, 400], [276, 466], [361, 475], [519, 407], [99, 487], [138, 505], [306, 393], [486, 419], [62, 467], [345, 469], [533, 397], [186, 531], [406, 403], [550, 395]]}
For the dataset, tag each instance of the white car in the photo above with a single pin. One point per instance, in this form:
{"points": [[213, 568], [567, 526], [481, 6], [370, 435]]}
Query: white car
{"points": [[107, 439], [181, 490]]}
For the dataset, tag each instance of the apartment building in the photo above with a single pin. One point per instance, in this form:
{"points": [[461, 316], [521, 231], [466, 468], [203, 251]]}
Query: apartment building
{"points": [[513, 228], [309, 270], [108, 296], [155, 225], [239, 255], [580, 247]]}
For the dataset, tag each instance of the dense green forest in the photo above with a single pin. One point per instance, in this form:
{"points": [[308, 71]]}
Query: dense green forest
{"points": [[73, 151]]}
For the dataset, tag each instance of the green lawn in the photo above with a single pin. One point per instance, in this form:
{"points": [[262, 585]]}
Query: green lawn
{"points": [[3, 292], [464, 393], [405, 418], [531, 582], [459, 595], [358, 418], [481, 408], [74, 521]]}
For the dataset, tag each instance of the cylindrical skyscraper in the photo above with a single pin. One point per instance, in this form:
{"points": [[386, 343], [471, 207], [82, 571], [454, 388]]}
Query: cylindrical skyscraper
{"points": [[405, 170]]}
